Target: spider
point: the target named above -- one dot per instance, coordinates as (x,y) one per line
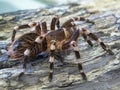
(29,45)
(18,46)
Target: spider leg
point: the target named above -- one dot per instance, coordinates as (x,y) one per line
(27,53)
(43,26)
(84,33)
(85,36)
(25,60)
(52,58)
(16,28)
(77,55)
(70,22)
(94,37)
(55,21)
(26,57)
(73,40)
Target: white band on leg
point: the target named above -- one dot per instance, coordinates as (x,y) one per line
(74,45)
(16,27)
(51,59)
(38,40)
(27,52)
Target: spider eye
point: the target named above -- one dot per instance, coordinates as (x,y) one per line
(41,37)
(73,45)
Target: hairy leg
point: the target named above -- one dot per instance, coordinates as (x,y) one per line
(87,39)
(94,37)
(71,22)
(51,60)
(26,57)
(55,21)
(16,28)
(77,55)
(43,26)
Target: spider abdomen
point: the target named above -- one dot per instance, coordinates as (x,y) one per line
(16,50)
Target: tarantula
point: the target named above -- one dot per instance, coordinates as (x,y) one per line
(54,40)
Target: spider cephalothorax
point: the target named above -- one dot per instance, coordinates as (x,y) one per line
(64,37)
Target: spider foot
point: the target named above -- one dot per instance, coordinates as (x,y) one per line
(50,77)
(20,75)
(84,76)
(110,52)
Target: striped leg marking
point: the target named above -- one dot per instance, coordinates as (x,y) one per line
(51,60)
(77,55)
(51,66)
(16,28)
(55,22)
(94,37)
(26,57)
(87,39)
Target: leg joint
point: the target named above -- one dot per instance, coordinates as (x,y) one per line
(93,36)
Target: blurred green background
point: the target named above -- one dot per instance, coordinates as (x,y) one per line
(14,5)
